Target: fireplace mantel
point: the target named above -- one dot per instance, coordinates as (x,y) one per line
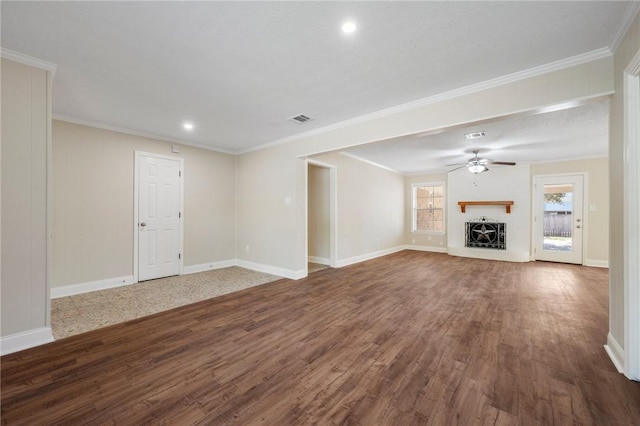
(507,204)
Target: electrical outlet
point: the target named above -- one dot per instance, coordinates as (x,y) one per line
(246,248)
(413,241)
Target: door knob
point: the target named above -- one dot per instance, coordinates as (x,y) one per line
(143,224)
(578,226)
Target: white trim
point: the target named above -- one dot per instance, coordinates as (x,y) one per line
(367,256)
(473,88)
(136,183)
(320,260)
(12,55)
(371,163)
(137,155)
(73,289)
(631,92)
(49,202)
(25,340)
(320,163)
(566,160)
(502,255)
(81,288)
(615,352)
(274,270)
(142,134)
(596,263)
(425,248)
(625,24)
(209,266)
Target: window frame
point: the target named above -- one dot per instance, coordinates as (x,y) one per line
(414,209)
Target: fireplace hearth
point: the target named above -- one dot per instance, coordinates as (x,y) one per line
(486,233)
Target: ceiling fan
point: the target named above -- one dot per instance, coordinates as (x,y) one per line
(479,165)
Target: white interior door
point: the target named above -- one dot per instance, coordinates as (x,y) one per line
(159,215)
(558,218)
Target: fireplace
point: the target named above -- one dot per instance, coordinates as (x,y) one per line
(486,233)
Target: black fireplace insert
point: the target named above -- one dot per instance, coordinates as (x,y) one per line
(486,233)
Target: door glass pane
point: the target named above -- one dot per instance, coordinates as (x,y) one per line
(558,217)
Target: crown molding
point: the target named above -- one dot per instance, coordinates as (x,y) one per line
(466,90)
(413,174)
(371,163)
(126,131)
(567,159)
(627,19)
(27,60)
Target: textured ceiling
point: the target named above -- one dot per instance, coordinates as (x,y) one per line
(238,70)
(578,132)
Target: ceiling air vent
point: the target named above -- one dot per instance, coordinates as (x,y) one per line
(300,119)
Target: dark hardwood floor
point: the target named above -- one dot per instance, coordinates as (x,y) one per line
(410,338)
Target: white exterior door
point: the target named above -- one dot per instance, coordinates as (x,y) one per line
(159,216)
(558,218)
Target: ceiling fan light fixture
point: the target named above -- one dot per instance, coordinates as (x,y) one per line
(477,168)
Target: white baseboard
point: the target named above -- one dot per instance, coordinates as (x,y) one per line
(367,256)
(596,263)
(25,340)
(433,249)
(274,270)
(615,352)
(73,289)
(320,260)
(507,256)
(209,266)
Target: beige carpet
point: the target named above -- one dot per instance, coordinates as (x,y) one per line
(89,311)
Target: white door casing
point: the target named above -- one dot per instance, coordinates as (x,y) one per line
(631,223)
(158,227)
(565,250)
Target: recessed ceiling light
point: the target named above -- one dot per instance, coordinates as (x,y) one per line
(188,126)
(349,27)
(474,135)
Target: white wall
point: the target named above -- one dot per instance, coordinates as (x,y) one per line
(25,113)
(93,175)
(319,217)
(266,176)
(498,184)
(370,208)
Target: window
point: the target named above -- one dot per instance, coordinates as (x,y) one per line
(428,208)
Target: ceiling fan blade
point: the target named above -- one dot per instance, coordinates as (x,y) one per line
(457,168)
(456,164)
(504,163)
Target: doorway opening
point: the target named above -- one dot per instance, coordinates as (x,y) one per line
(321,242)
